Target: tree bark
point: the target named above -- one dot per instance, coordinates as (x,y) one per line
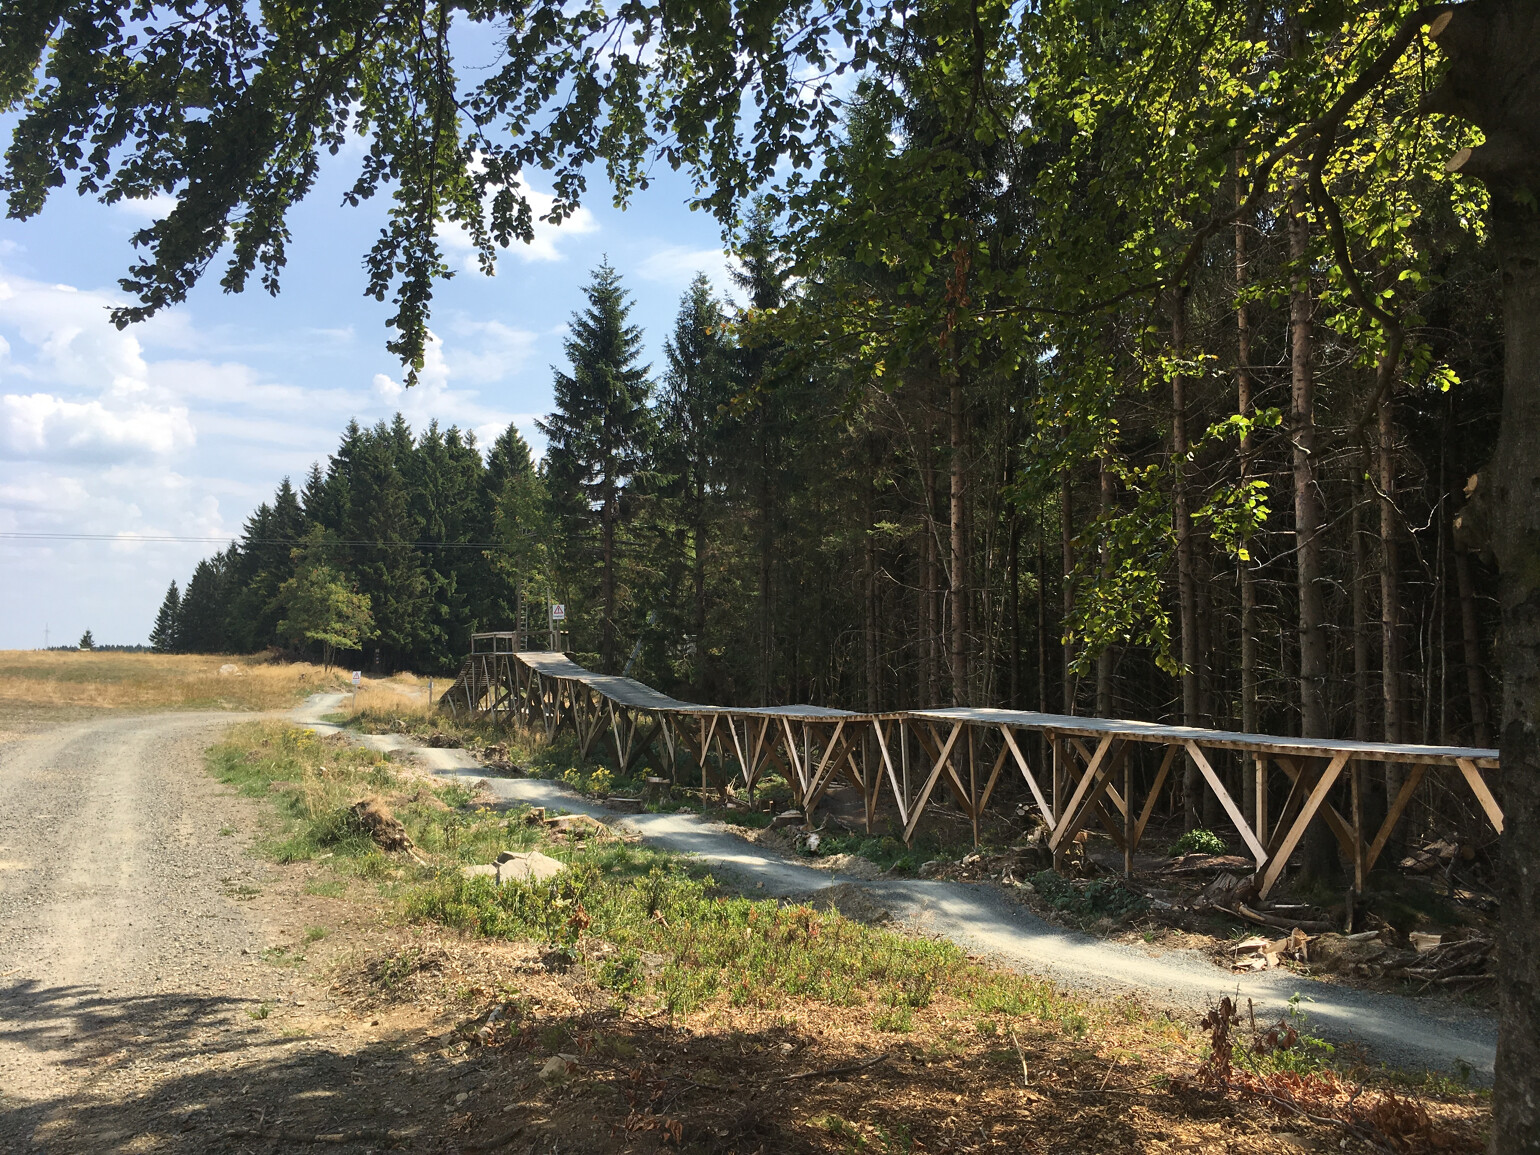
(1247,580)
(607,633)
(1392,684)
(1067,535)
(1493,80)
(1104,659)
(930,627)
(1314,719)
(1360,601)
(1186,575)
(1481,730)
(959,597)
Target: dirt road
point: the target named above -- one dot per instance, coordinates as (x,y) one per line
(138,1010)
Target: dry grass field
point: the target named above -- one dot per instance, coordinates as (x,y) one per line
(41,684)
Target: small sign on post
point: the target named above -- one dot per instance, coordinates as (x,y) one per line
(558,612)
(358,677)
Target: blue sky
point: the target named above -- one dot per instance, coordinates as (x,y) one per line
(181,425)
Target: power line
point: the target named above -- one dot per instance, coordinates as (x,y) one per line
(248,541)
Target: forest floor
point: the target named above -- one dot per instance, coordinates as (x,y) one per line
(200,966)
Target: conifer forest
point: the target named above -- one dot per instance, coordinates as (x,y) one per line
(1165,361)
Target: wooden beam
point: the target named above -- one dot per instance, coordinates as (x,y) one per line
(1393,815)
(1081,788)
(1280,859)
(1149,802)
(1241,825)
(1026,772)
(887,760)
(1339,825)
(930,783)
(1478,786)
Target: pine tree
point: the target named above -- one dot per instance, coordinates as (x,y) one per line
(382,559)
(599,436)
(206,608)
(164,635)
(692,445)
(87,642)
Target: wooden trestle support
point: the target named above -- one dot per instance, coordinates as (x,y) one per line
(1090,774)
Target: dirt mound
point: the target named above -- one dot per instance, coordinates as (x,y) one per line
(385,828)
(852,901)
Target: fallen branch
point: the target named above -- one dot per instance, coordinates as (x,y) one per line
(1309,926)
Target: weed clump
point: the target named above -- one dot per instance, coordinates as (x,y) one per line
(1099,898)
(1199,841)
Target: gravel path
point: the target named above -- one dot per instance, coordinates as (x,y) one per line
(1433,1032)
(137,1011)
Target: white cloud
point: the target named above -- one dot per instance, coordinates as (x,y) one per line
(677,265)
(457,241)
(500,351)
(150,208)
(76,343)
(36,426)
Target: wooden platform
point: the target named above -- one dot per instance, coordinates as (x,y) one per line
(903,757)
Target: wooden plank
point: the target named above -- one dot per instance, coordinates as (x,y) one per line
(954,780)
(1478,786)
(1081,788)
(1261,791)
(930,783)
(1075,818)
(1393,815)
(1280,859)
(1241,825)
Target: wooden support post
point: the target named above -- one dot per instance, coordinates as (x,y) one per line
(1280,859)
(1478,786)
(1128,818)
(1393,815)
(1241,825)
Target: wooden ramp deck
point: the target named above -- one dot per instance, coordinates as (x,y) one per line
(1087,773)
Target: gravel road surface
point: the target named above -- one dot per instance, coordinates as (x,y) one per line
(1434,1032)
(137,1009)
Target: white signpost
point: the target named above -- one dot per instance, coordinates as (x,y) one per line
(558,612)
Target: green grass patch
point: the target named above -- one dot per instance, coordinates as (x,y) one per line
(1099,898)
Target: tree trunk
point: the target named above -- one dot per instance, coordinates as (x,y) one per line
(1494,80)
(961,679)
(1104,659)
(1066,521)
(1247,580)
(869,591)
(1392,685)
(607,632)
(930,628)
(1360,600)
(701,650)
(1314,719)
(1186,576)
(1481,730)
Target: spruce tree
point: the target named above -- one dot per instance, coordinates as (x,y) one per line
(692,455)
(383,560)
(201,625)
(163,637)
(599,437)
